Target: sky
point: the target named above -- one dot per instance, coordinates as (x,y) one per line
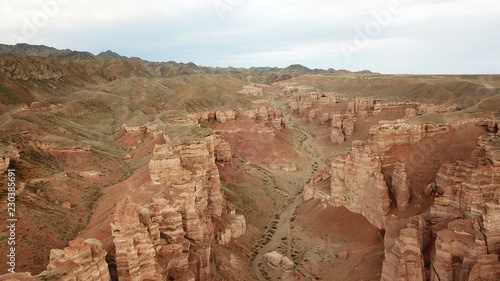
(385,36)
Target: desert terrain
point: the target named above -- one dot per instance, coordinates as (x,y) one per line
(135,170)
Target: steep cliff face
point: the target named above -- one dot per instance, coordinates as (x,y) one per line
(358,184)
(464,249)
(403,250)
(86,258)
(80,261)
(401,186)
(384,136)
(457,249)
(470,189)
(172,235)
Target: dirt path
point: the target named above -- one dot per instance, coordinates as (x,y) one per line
(283,227)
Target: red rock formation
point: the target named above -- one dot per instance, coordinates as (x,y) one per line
(324,118)
(7,153)
(236,228)
(457,249)
(358,184)
(401,186)
(171,236)
(223,116)
(86,259)
(82,260)
(311,116)
(252,90)
(404,243)
(487,267)
(222,149)
(336,133)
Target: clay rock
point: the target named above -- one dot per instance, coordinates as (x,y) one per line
(336,135)
(287,264)
(7,153)
(336,132)
(324,118)
(470,188)
(401,186)
(410,113)
(135,252)
(437,108)
(222,149)
(358,184)
(252,90)
(404,243)
(487,267)
(236,228)
(223,116)
(348,126)
(327,99)
(384,136)
(309,192)
(457,249)
(361,107)
(274,258)
(86,259)
(311,116)
(343,255)
(66,205)
(283,166)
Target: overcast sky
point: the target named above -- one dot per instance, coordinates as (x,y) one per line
(387,36)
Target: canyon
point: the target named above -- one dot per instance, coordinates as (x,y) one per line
(133,170)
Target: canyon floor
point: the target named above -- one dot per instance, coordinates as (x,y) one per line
(133,170)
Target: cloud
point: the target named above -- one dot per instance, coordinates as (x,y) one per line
(452,36)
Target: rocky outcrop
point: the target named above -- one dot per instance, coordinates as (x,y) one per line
(336,133)
(223,116)
(172,234)
(470,189)
(487,267)
(361,107)
(342,128)
(283,166)
(7,153)
(404,243)
(222,150)
(410,113)
(82,260)
(401,186)
(236,228)
(437,108)
(311,116)
(275,259)
(384,136)
(86,258)
(324,118)
(268,114)
(300,104)
(327,99)
(358,184)
(457,249)
(135,252)
(252,90)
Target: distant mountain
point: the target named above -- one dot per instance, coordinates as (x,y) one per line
(267,75)
(111,55)
(34,50)
(44,51)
